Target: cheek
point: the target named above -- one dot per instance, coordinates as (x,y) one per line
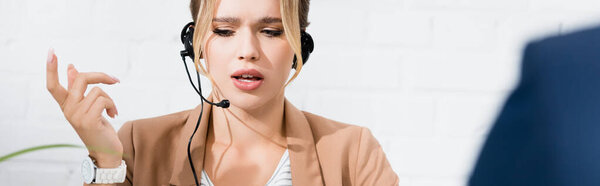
(217,53)
(281,56)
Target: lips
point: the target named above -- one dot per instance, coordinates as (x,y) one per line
(247,79)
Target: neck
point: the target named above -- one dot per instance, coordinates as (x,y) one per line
(260,126)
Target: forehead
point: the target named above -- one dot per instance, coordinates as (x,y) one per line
(248,9)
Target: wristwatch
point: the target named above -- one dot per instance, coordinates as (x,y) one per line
(92,174)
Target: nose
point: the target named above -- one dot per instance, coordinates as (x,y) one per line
(249,47)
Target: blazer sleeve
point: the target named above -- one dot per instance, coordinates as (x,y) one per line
(372,166)
(126,137)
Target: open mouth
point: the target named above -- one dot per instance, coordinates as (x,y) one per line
(247,79)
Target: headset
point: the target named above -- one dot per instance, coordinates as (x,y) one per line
(187,35)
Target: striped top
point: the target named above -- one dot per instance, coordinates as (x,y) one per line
(281,177)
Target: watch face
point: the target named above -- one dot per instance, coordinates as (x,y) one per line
(87,170)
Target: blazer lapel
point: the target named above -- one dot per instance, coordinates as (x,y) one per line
(304,161)
(182,173)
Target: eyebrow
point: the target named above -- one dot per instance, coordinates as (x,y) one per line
(226,19)
(235,20)
(268,20)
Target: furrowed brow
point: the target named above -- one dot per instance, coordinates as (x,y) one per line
(269,20)
(232,20)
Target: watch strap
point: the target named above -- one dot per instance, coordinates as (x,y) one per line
(111,175)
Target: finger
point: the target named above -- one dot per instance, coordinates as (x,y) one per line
(99,105)
(58,91)
(72,74)
(92,96)
(83,79)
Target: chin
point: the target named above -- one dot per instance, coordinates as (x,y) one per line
(244,100)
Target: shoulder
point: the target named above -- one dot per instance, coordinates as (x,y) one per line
(160,130)
(581,37)
(155,124)
(331,134)
(140,139)
(577,42)
(324,128)
(350,151)
(549,56)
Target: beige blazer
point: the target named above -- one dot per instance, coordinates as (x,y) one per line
(322,151)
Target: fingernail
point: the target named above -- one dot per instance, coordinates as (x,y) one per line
(115,78)
(50,54)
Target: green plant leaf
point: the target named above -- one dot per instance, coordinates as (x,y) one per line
(36,148)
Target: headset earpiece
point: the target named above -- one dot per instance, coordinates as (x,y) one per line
(187,36)
(307,45)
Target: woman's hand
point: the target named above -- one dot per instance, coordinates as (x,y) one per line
(85,112)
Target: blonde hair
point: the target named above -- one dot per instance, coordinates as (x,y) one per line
(294,13)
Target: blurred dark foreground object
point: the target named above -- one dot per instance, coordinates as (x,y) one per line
(548,132)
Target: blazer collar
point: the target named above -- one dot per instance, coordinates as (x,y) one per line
(304,161)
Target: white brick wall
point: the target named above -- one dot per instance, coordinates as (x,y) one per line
(428,75)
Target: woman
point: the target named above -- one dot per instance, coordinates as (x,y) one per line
(248,47)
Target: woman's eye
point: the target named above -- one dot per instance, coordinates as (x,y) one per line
(272,33)
(223,33)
